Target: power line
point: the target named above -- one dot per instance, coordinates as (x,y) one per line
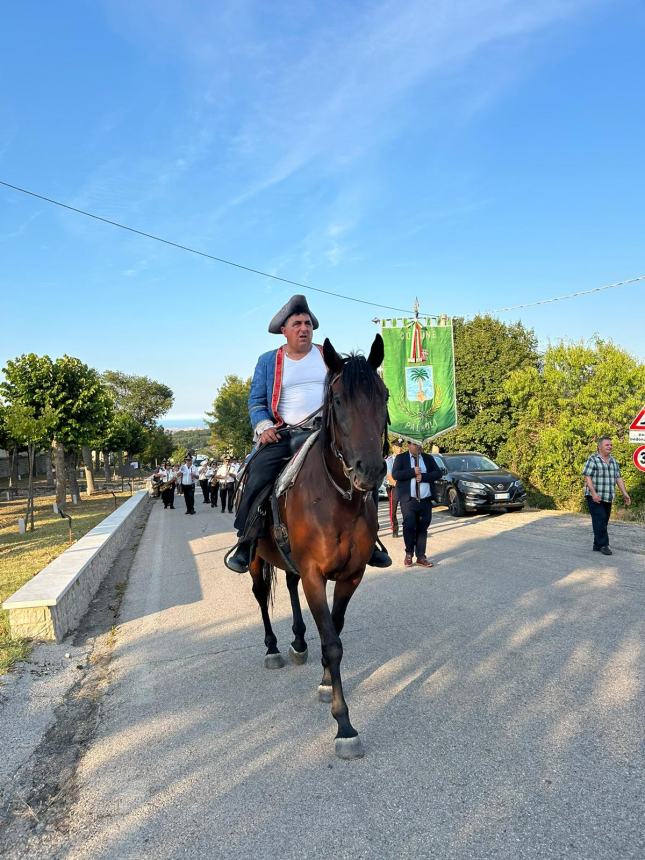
(289,281)
(570,295)
(195,251)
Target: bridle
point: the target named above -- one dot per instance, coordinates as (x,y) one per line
(331,427)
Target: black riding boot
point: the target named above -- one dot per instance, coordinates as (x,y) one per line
(379,558)
(239,561)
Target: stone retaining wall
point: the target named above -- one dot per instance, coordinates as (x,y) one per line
(54,601)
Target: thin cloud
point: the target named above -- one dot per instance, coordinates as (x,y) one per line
(323,84)
(21,228)
(332,110)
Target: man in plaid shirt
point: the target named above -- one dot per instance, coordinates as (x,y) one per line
(602,473)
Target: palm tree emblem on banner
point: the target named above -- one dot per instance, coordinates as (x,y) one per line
(419,383)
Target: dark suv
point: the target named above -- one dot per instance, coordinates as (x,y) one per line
(472,482)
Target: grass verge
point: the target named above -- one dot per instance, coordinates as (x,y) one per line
(23,556)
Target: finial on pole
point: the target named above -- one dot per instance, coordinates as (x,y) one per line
(416,307)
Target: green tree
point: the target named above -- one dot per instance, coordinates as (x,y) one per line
(72,392)
(124,433)
(83,406)
(5,438)
(158,446)
(195,440)
(7,443)
(23,426)
(231,432)
(27,382)
(143,398)
(178,454)
(487,351)
(581,392)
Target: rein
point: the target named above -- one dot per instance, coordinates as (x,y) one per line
(331,426)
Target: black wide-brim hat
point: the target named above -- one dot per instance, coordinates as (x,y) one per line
(295,305)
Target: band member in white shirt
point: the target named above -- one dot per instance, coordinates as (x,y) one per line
(189,475)
(214,483)
(233,469)
(212,489)
(203,481)
(168,475)
(227,488)
(222,482)
(155,478)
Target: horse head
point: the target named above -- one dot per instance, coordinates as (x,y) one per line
(355,413)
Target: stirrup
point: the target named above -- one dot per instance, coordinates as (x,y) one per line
(238,557)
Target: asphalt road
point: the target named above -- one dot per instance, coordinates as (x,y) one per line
(499,697)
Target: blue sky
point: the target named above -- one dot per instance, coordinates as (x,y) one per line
(474,154)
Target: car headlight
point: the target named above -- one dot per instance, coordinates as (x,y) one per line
(471,485)
(519,485)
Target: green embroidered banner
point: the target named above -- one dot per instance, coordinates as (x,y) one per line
(419,371)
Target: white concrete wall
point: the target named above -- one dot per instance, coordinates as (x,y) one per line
(54,601)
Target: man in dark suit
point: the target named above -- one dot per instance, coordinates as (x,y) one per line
(414,473)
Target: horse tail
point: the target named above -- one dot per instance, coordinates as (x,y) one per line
(269,577)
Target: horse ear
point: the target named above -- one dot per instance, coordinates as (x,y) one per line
(333,361)
(377,352)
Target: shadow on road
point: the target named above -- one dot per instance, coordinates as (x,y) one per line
(499,696)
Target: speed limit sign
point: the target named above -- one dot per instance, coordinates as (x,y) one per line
(639,458)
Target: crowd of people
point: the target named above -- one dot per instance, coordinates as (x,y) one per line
(216,480)
(409,479)
(286,395)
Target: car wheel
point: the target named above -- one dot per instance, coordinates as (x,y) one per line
(455,503)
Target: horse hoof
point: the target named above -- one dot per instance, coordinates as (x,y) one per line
(349,747)
(324,693)
(273,661)
(298,657)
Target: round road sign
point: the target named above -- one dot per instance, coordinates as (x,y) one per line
(639,458)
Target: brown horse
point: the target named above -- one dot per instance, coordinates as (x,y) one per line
(332,522)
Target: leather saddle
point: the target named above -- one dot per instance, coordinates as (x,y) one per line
(265,518)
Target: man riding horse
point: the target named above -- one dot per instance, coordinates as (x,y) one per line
(286,392)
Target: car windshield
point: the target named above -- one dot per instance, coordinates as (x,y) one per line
(469,463)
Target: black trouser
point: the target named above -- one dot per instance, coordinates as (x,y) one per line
(203,483)
(264,469)
(393,499)
(189,497)
(214,491)
(230,494)
(417,515)
(168,497)
(600,513)
(223,495)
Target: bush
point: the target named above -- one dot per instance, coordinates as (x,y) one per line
(580,393)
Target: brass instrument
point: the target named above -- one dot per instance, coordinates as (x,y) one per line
(166,485)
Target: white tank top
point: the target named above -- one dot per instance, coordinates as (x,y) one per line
(303,384)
